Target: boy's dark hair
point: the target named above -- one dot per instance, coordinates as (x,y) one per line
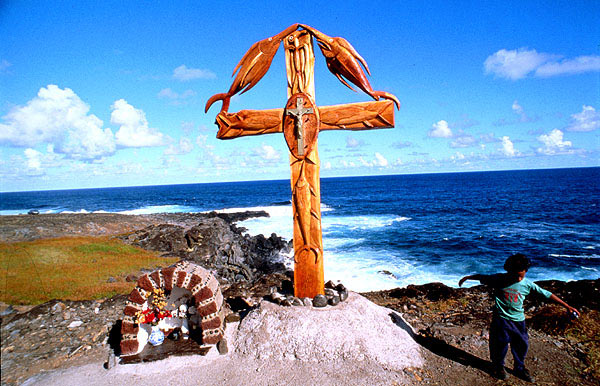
(517,263)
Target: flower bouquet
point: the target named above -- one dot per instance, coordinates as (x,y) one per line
(153,313)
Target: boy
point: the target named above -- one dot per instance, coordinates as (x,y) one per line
(508,320)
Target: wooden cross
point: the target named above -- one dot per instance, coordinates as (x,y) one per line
(300,121)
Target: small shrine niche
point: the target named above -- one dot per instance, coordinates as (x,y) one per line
(182,302)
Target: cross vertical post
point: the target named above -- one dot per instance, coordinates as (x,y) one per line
(306,198)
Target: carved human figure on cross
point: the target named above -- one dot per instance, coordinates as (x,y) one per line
(300,121)
(298,114)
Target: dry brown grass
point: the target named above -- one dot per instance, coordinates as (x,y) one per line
(585,331)
(73,268)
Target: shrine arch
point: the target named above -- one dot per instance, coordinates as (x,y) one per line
(201,284)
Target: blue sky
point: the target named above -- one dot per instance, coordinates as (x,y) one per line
(97,94)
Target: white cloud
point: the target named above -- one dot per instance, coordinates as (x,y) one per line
(327,165)
(508,148)
(587,120)
(4,65)
(266,152)
(183,73)
(463,140)
(187,127)
(517,64)
(134,130)
(458,156)
(353,143)
(440,130)
(569,66)
(553,143)
(514,64)
(58,117)
(517,108)
(33,159)
(380,160)
(185,146)
(401,144)
(170,94)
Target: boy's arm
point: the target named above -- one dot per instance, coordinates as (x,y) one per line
(470,277)
(558,300)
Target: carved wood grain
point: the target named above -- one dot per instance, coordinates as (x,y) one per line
(306,195)
(351,116)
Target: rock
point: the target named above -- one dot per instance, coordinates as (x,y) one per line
(387,273)
(233,317)
(131,278)
(222,347)
(307,302)
(75,324)
(334,300)
(58,307)
(297,302)
(277,297)
(9,310)
(343,295)
(330,284)
(319,301)
(330,292)
(216,244)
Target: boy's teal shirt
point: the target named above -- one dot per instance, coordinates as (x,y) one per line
(509,297)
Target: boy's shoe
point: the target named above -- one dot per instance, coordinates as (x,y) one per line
(524,375)
(500,373)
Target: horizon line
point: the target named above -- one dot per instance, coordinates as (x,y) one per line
(322,178)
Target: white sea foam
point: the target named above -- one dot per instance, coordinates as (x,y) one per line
(75,212)
(360,222)
(574,256)
(161,209)
(13,212)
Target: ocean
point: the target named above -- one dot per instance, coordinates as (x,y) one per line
(382,232)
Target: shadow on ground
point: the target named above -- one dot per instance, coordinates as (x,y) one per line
(441,348)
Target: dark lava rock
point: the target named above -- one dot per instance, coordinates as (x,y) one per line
(319,301)
(343,295)
(330,292)
(222,347)
(431,291)
(215,243)
(330,284)
(334,300)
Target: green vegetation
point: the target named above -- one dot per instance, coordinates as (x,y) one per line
(74,268)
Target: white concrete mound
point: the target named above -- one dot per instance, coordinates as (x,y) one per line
(354,330)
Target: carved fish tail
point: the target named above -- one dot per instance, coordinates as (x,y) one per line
(386,95)
(218,97)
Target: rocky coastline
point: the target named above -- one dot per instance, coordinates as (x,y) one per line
(451,323)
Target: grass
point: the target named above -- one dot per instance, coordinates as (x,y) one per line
(73,268)
(585,330)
